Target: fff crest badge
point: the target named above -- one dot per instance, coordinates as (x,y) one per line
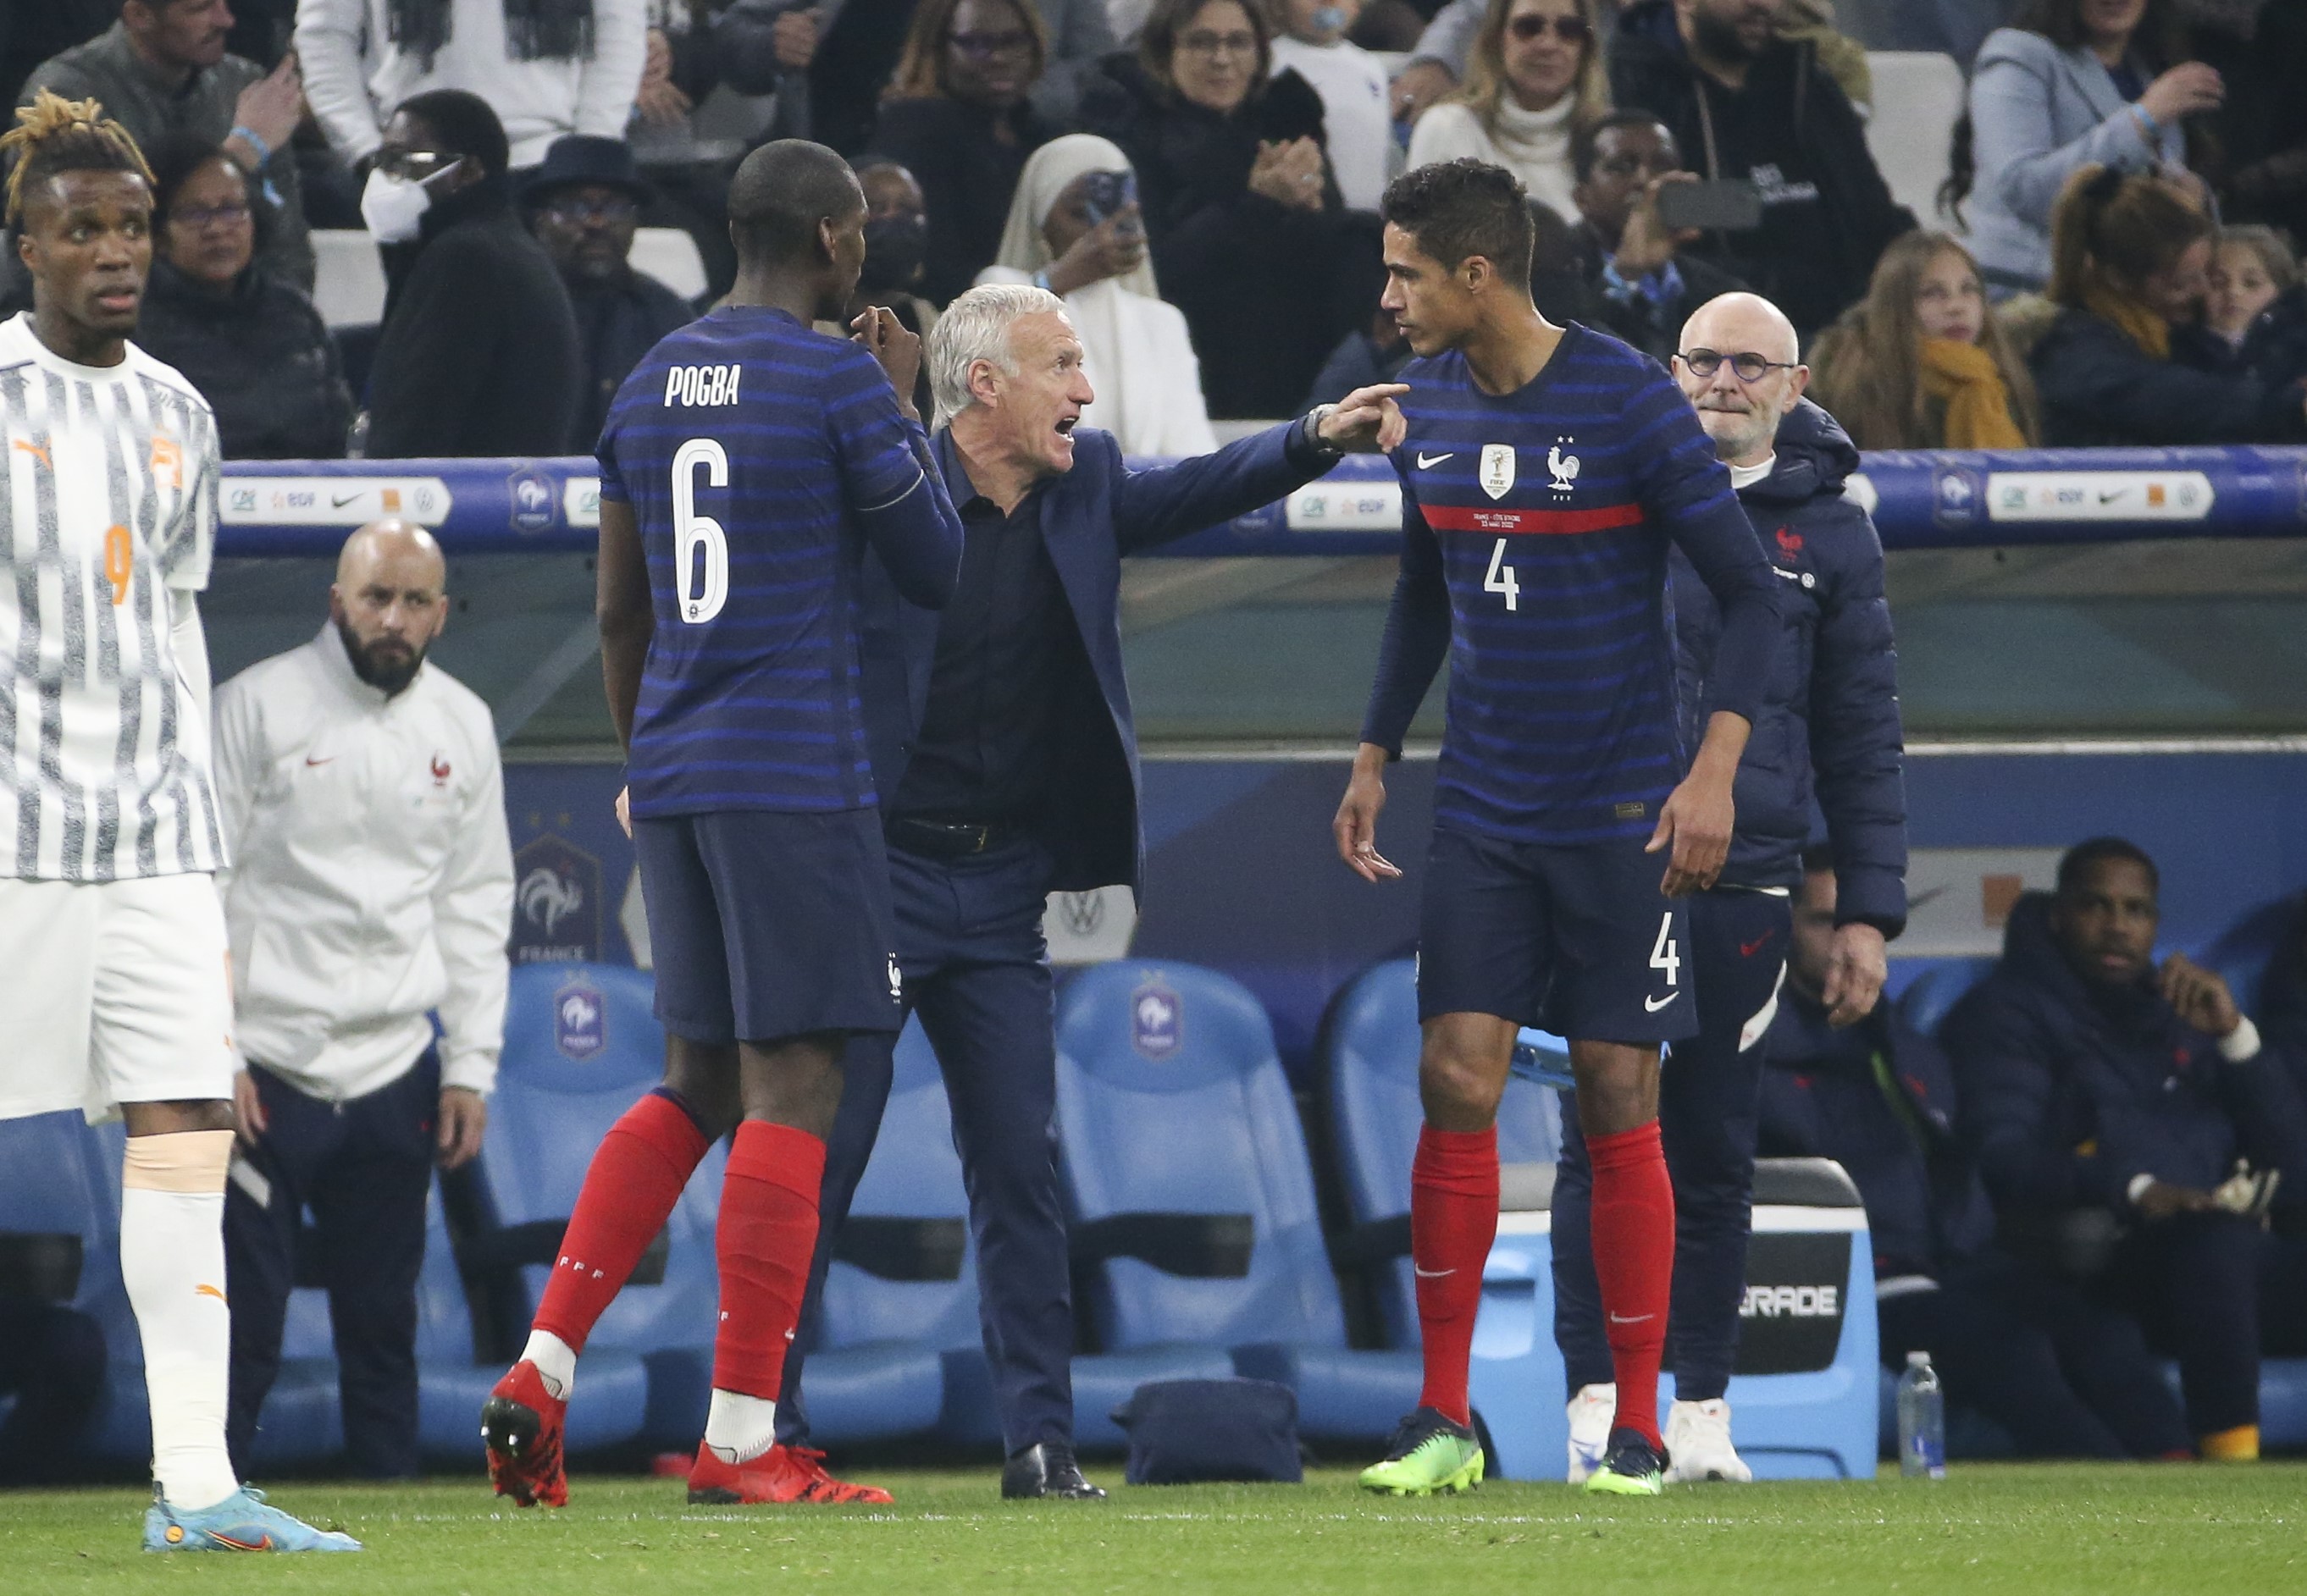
(1156,1019)
(557,904)
(1497,472)
(580,1022)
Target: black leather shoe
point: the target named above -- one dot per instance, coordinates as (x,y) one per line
(1047,1470)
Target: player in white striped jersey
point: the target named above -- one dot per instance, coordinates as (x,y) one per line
(113,972)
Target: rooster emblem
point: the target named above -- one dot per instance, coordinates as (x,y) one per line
(1564,467)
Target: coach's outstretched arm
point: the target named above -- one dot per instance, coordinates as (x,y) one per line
(1417,638)
(907,516)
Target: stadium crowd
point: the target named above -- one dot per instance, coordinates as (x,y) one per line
(2112,259)
(2095,1161)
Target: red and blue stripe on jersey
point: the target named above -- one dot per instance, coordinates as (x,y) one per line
(776,436)
(1536,526)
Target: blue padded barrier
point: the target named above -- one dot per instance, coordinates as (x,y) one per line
(581,1047)
(1920,499)
(1170,1102)
(1369,1067)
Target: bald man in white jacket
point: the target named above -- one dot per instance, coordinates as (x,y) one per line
(363,802)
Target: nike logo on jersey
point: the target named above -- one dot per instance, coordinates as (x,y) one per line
(1430,1273)
(309,760)
(1620,1318)
(1747,950)
(1653,1004)
(1425,462)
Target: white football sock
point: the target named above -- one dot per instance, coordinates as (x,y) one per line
(172,1260)
(554,1361)
(738,1428)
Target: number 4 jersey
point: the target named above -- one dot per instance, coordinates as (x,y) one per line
(108,514)
(760,459)
(1535,528)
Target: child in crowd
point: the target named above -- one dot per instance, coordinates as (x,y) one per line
(2255,315)
(1311,39)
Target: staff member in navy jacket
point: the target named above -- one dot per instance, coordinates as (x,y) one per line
(1829,730)
(2103,1096)
(1007,768)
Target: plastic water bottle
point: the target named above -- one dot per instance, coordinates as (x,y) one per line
(1922,1421)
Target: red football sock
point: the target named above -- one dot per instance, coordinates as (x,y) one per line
(1453,1218)
(1634,1262)
(629,1191)
(766,1232)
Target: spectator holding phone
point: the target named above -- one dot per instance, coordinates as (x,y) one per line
(1533,76)
(1622,268)
(958,119)
(1248,229)
(2129,259)
(1922,362)
(1074,229)
(1760,110)
(2074,83)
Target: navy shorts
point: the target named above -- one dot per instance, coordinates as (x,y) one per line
(764,924)
(1574,941)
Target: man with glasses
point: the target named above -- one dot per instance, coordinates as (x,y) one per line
(1624,271)
(1547,474)
(583,204)
(1828,735)
(478,354)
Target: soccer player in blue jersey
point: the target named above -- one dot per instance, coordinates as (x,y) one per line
(746,466)
(1545,472)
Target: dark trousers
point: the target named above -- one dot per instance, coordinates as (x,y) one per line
(977,972)
(52,1358)
(363,1168)
(2066,1374)
(1708,1089)
(2214,1291)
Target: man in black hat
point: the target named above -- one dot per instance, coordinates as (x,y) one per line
(583,204)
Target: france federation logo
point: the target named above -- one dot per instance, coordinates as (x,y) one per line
(580,1025)
(1155,1016)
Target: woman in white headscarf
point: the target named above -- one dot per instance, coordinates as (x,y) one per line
(1074,229)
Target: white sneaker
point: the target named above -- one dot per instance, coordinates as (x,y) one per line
(1698,1444)
(1590,1413)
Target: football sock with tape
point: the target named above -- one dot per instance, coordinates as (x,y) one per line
(1453,1218)
(172,1262)
(629,1191)
(1633,1229)
(767,1231)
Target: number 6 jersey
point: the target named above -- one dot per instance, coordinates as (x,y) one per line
(760,458)
(1535,527)
(108,510)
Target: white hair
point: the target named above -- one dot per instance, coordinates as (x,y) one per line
(977,327)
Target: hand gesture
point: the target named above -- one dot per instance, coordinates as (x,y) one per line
(1647,243)
(1356,825)
(248,1109)
(659,99)
(1697,819)
(2187,89)
(793,38)
(1367,421)
(1856,966)
(886,339)
(463,1117)
(2201,996)
(271,107)
(1420,84)
(1289,173)
(1114,248)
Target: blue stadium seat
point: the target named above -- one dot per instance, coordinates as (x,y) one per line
(1178,1124)
(1938,988)
(878,1366)
(581,1047)
(1368,1063)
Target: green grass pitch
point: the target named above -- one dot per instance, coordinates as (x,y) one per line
(2164,1530)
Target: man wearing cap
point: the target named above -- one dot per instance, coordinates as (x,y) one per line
(583,204)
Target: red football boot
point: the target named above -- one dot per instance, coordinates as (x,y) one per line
(780,1475)
(520,1425)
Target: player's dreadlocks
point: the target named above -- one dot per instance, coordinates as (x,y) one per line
(54,134)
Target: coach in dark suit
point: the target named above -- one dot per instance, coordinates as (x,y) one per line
(1007,766)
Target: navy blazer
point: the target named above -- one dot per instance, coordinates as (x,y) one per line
(1091,516)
